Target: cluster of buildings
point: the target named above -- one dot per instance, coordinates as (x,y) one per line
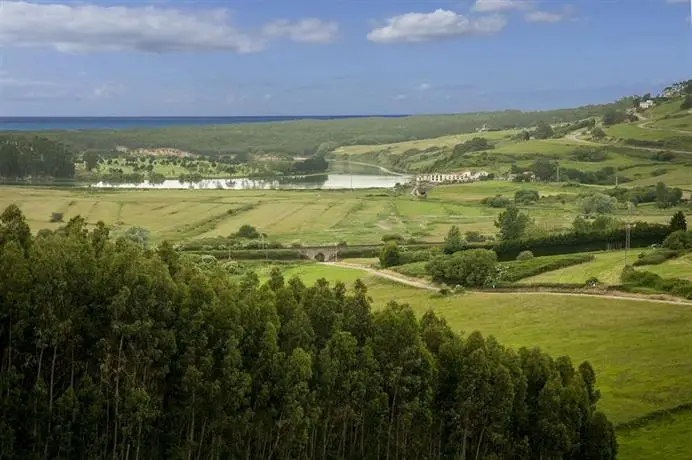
(449,178)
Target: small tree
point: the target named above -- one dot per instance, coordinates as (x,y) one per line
(454,241)
(511,223)
(543,131)
(597,133)
(526,196)
(56,217)
(525,255)
(390,255)
(678,222)
(598,203)
(247,231)
(686,103)
(139,235)
(472,268)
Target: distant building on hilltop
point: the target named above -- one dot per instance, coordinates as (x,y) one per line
(646,104)
(442,178)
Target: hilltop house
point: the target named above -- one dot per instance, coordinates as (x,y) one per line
(646,104)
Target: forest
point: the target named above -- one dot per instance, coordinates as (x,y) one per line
(36,157)
(108,349)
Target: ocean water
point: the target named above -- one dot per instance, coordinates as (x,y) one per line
(83,123)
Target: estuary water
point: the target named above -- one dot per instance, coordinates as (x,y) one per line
(324,181)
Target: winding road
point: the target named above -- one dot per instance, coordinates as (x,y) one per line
(422,284)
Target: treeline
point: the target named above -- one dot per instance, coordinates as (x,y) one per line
(309,137)
(113,351)
(34,157)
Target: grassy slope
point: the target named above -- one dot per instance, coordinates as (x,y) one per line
(639,349)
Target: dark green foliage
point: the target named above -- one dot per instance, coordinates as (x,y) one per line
(524,268)
(247,231)
(56,217)
(678,240)
(512,223)
(686,103)
(601,223)
(24,157)
(613,117)
(657,257)
(390,255)
(598,203)
(675,286)
(393,237)
(472,268)
(91,160)
(545,170)
(473,236)
(597,133)
(497,201)
(663,156)
(526,196)
(543,131)
(603,176)
(592,155)
(678,222)
(667,197)
(311,165)
(454,241)
(476,144)
(111,351)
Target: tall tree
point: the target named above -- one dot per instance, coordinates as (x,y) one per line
(454,241)
(512,223)
(678,222)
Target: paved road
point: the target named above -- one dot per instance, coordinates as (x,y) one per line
(421,284)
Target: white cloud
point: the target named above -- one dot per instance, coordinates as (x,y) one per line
(81,28)
(424,86)
(549,16)
(308,30)
(267,96)
(440,24)
(401,97)
(489,6)
(107,90)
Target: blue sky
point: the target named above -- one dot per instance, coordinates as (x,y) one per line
(261,57)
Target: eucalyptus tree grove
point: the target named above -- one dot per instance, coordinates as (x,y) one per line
(111,350)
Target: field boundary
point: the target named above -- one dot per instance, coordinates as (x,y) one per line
(653,417)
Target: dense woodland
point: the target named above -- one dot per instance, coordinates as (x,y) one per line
(110,350)
(35,157)
(308,137)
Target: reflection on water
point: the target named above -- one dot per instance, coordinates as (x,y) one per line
(324,181)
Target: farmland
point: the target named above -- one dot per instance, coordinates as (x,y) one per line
(309,217)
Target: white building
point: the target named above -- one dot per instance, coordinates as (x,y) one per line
(442,178)
(646,104)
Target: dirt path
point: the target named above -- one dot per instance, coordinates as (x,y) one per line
(421,284)
(573,137)
(387,274)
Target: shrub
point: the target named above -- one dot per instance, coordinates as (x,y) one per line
(497,201)
(390,255)
(526,196)
(392,237)
(657,257)
(472,268)
(520,269)
(525,255)
(674,286)
(56,217)
(678,240)
(247,231)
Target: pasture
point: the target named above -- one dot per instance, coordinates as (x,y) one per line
(308,217)
(640,349)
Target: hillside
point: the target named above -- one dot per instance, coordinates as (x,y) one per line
(309,136)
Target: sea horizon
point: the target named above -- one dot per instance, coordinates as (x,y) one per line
(72,123)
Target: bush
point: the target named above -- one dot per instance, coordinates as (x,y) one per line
(526,196)
(497,201)
(657,257)
(674,286)
(392,237)
(56,217)
(525,255)
(471,268)
(247,231)
(678,240)
(390,255)
(520,269)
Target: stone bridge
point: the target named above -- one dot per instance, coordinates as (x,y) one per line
(320,253)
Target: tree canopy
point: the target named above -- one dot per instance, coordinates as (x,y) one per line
(113,350)
(24,157)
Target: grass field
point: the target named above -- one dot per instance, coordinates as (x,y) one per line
(607,267)
(640,349)
(680,267)
(310,217)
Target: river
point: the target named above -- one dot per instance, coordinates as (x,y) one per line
(325,181)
